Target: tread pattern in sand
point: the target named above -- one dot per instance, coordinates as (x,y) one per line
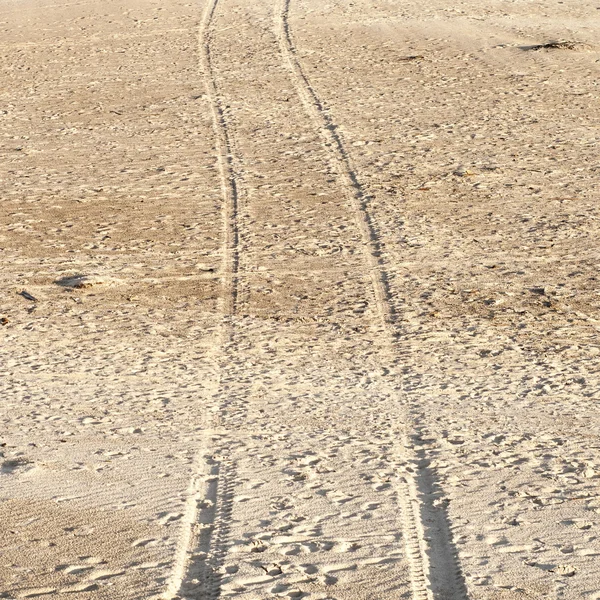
(416,485)
(201,545)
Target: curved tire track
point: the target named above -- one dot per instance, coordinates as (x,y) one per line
(200,549)
(434,568)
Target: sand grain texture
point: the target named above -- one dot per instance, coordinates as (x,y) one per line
(299,300)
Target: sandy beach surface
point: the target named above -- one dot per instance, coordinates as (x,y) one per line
(300,299)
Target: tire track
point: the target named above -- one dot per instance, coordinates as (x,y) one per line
(341,161)
(204,528)
(432,558)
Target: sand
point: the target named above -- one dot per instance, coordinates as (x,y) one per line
(299,300)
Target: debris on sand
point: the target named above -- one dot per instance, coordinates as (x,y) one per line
(27,296)
(462,171)
(557,45)
(85,281)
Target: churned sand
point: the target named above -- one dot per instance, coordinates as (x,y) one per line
(300,299)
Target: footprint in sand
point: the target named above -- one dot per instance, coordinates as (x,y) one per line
(80,587)
(35,593)
(102,575)
(327,580)
(272,570)
(77,569)
(144,542)
(257,546)
(346,547)
(165,519)
(242,498)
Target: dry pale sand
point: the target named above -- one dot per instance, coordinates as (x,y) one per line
(299,299)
